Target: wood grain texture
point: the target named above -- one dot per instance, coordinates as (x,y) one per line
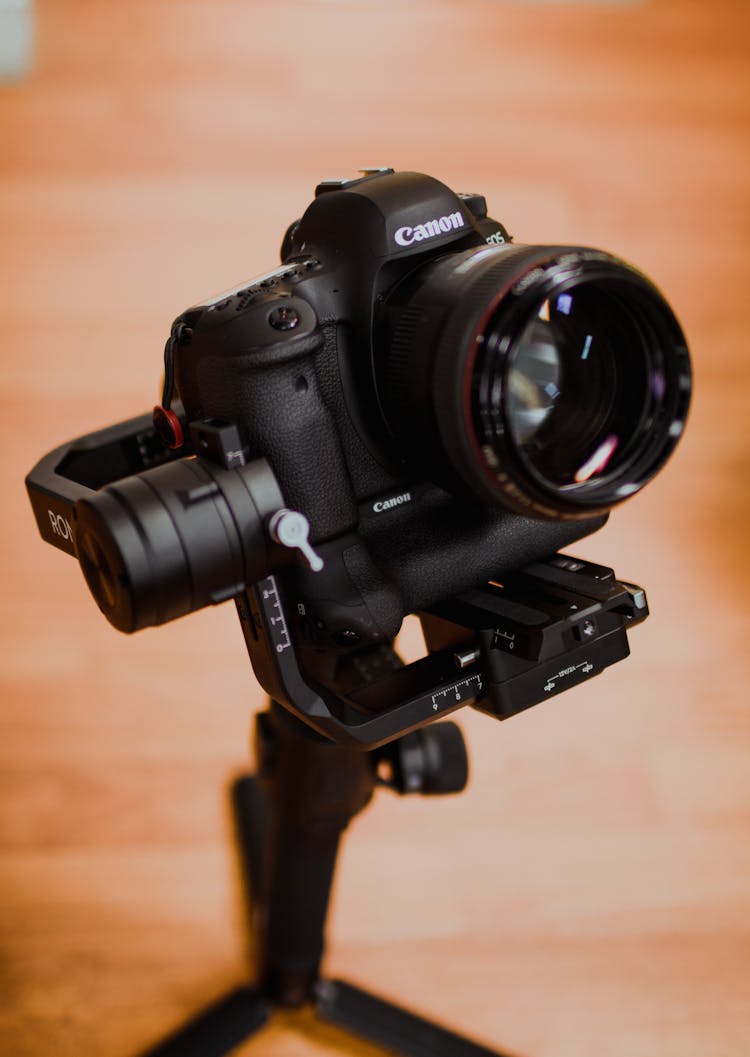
(590,893)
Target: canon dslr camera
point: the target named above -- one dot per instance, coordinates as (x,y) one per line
(412,414)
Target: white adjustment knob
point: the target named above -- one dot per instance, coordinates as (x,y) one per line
(292,529)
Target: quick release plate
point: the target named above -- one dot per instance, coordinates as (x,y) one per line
(544,629)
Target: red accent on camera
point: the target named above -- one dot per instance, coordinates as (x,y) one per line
(169,427)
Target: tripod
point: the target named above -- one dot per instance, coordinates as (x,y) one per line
(290,819)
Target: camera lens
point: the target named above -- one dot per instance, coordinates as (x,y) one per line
(582,383)
(553,380)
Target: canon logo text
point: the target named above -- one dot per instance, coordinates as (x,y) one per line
(388,504)
(430,229)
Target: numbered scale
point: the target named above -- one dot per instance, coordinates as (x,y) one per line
(501,648)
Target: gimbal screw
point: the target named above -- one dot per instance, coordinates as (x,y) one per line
(292,529)
(345,637)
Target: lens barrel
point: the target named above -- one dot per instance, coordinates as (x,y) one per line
(552,380)
(175,538)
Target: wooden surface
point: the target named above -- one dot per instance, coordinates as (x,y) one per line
(590,893)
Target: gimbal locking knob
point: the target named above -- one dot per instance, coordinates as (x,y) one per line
(292,529)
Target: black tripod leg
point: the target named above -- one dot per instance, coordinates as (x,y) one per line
(218,1029)
(235,1017)
(390,1026)
(250,811)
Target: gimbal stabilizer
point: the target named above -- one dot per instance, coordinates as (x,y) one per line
(503,647)
(337,727)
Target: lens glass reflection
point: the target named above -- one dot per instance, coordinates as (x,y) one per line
(577,387)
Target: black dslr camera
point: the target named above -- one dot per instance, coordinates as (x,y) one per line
(412,414)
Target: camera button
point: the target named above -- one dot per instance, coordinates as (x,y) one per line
(284,318)
(476,204)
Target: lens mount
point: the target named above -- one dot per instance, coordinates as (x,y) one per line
(552,380)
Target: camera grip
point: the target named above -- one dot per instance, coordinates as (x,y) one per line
(276,400)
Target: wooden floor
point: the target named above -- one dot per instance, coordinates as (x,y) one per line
(590,894)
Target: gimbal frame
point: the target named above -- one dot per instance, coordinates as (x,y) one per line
(337,729)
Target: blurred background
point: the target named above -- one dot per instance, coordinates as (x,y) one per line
(590,893)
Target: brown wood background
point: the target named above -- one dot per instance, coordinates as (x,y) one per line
(590,893)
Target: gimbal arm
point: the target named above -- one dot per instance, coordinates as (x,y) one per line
(551,625)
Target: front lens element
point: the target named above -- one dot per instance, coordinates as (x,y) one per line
(578,393)
(580,384)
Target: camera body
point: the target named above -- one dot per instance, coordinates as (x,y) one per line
(293,360)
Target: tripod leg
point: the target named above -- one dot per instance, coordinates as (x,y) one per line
(222,1026)
(390,1026)
(218,1029)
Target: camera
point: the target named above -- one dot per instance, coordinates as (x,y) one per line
(411,414)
